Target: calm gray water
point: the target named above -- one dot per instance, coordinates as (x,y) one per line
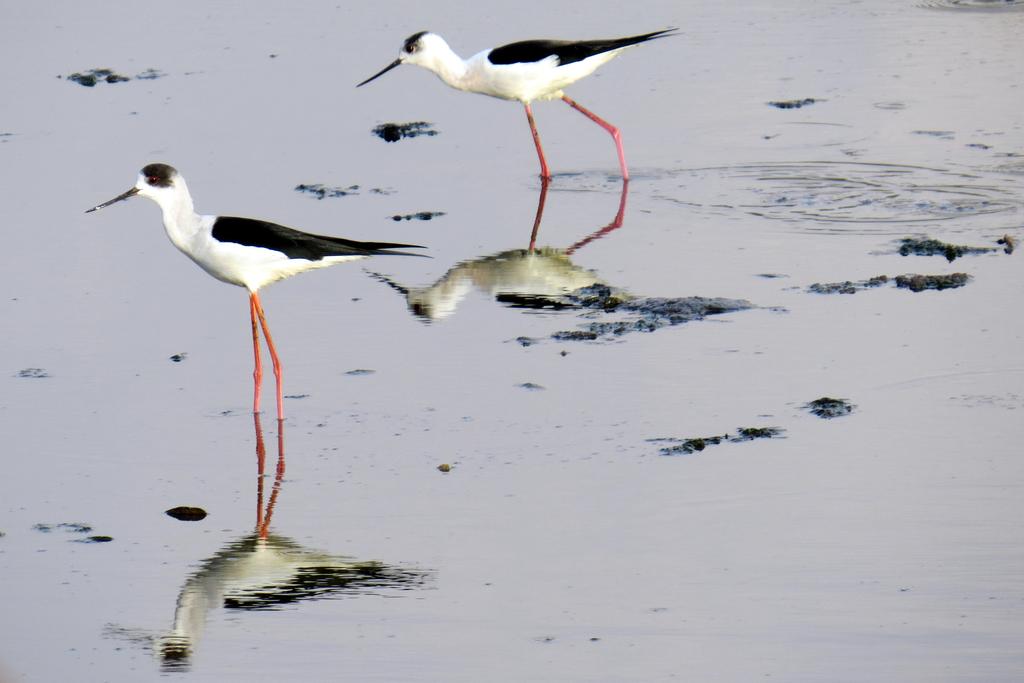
(885,545)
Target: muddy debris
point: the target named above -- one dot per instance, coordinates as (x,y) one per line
(393,132)
(94,539)
(847,286)
(321,191)
(919,283)
(1008,242)
(90,78)
(186,513)
(698,444)
(444,467)
(793,104)
(526,341)
(178,357)
(642,314)
(359,372)
(926,246)
(32,373)
(531,386)
(418,216)
(827,408)
(69,527)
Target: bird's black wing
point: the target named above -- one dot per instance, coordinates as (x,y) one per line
(292,243)
(567,51)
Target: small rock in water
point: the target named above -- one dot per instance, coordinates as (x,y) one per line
(178,357)
(185,513)
(444,467)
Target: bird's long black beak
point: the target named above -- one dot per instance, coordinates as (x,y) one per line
(124,195)
(383,71)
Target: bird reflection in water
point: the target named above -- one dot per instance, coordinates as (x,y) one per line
(526,277)
(267,571)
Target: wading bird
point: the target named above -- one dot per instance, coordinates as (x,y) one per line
(246,252)
(524,71)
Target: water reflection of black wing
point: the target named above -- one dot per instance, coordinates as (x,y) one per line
(266,573)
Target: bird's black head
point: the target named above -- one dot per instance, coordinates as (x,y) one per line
(159,175)
(412,43)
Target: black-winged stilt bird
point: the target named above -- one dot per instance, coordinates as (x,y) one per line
(525,71)
(246,252)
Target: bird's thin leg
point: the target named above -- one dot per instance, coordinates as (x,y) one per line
(257,373)
(544,172)
(608,127)
(273,353)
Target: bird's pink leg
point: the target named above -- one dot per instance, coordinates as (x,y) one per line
(273,352)
(608,127)
(544,172)
(257,373)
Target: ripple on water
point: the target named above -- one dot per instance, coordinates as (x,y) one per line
(975,5)
(819,195)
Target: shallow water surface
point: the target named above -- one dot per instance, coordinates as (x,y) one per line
(522,458)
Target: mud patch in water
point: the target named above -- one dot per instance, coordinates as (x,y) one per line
(847,286)
(911,281)
(828,408)
(687,446)
(321,191)
(793,104)
(33,373)
(90,78)
(418,216)
(643,314)
(393,132)
(926,246)
(919,283)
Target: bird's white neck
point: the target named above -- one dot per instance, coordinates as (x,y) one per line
(180,218)
(443,61)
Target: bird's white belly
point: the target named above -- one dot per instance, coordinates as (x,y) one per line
(252,267)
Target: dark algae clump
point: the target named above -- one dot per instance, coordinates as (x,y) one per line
(827,408)
(792,104)
(639,314)
(926,246)
(699,443)
(393,132)
(90,78)
(847,286)
(919,283)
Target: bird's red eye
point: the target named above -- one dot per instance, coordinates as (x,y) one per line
(151,179)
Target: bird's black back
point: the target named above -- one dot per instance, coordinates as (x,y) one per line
(567,51)
(293,243)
